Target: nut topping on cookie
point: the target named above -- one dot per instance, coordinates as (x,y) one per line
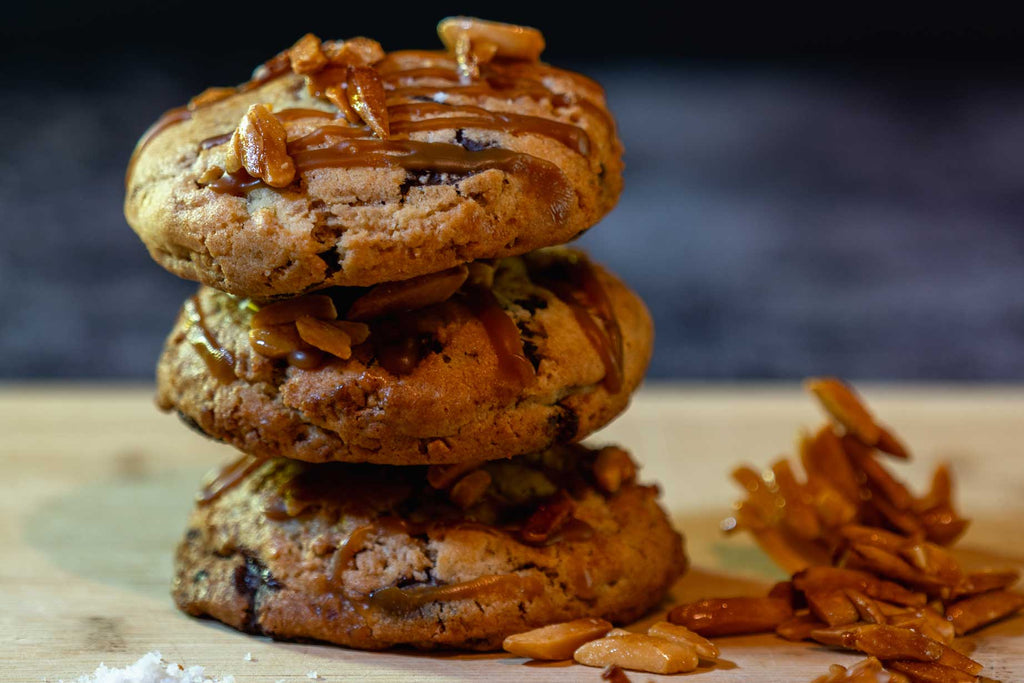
(474,42)
(306,56)
(366,95)
(259,144)
(353,52)
(489,39)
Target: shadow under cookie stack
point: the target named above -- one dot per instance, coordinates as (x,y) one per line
(388,331)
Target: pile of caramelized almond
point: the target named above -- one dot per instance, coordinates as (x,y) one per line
(870,570)
(870,567)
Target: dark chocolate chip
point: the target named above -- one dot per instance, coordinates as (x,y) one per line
(532,303)
(469,144)
(565,423)
(332,259)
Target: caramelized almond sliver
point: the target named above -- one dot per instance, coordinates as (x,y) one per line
(443,476)
(557,641)
(823,456)
(613,468)
(884,642)
(824,578)
(799,627)
(983,582)
(260,146)
(880,479)
(365,91)
(867,609)
(468,490)
(306,56)
(784,590)
(325,335)
(731,616)
(639,652)
(314,305)
(888,443)
(800,516)
(845,408)
(209,96)
(942,525)
(353,52)
(706,650)
(832,607)
(407,295)
(972,613)
(508,40)
(275,341)
(338,96)
(886,564)
(548,519)
(890,642)
(927,622)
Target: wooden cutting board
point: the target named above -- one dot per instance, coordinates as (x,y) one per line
(97,485)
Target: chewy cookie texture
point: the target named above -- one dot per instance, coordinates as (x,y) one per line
(341,164)
(388,329)
(461,388)
(372,556)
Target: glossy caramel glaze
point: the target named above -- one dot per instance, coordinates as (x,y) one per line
(416,102)
(219,360)
(574,282)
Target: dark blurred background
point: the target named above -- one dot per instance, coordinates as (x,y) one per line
(838,190)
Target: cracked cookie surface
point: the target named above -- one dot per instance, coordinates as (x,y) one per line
(523,156)
(455,404)
(371,556)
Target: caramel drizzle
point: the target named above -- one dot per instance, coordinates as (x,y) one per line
(571,136)
(227,478)
(503,335)
(219,360)
(502,586)
(576,284)
(404,85)
(444,117)
(412,155)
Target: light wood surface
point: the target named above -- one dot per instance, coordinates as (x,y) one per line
(96,485)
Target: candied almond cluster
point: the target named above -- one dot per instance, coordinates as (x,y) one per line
(870,570)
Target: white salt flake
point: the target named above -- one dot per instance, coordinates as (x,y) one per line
(151,668)
(312,675)
(248,657)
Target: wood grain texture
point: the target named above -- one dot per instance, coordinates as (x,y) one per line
(96,486)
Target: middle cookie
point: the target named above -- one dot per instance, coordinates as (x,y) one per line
(475,363)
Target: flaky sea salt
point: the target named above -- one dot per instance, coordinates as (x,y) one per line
(151,668)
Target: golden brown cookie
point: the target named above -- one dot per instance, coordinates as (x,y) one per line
(372,556)
(338,164)
(535,350)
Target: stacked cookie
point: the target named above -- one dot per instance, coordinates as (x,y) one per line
(387,331)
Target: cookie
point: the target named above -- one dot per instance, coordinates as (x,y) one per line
(532,350)
(372,556)
(339,164)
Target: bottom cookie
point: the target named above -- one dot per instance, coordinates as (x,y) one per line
(375,556)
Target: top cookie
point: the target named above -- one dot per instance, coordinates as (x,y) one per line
(339,164)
